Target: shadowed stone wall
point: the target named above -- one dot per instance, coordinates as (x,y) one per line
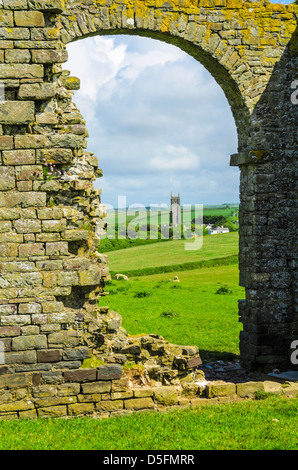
(51,217)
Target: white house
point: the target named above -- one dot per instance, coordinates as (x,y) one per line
(217,230)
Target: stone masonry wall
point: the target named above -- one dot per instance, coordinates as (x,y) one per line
(51,218)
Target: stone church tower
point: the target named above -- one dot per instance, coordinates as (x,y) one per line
(175,214)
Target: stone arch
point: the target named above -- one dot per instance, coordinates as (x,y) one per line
(51,271)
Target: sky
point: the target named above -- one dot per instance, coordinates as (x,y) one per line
(157,121)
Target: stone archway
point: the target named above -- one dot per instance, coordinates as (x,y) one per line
(51,272)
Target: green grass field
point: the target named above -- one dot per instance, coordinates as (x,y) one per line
(173,252)
(189,312)
(269,424)
(200,310)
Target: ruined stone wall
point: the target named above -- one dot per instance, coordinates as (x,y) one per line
(51,217)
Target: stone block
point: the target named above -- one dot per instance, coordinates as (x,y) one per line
(9,331)
(68,389)
(75,235)
(20,405)
(37,91)
(20,71)
(9,309)
(136,404)
(49,355)
(29,18)
(21,357)
(80,409)
(6,18)
(248,389)
(23,343)
(52,411)
(96,387)
(53,225)
(6,142)
(5,225)
(32,307)
(76,264)
(109,372)
(22,199)
(46,5)
(56,156)
(49,56)
(220,390)
(18,157)
(76,354)
(15,4)
(43,391)
(63,339)
(7,178)
(17,56)
(27,226)
(57,249)
(81,375)
(17,112)
(31,141)
(89,278)
(29,172)
(166,396)
(31,249)
(109,405)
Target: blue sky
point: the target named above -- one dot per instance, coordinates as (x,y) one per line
(157,121)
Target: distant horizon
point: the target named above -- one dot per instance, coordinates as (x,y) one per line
(143,206)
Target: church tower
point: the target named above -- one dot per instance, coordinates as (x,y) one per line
(175,214)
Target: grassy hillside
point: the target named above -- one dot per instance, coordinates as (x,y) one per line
(201,310)
(173,252)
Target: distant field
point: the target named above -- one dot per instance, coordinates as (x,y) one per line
(173,252)
(200,310)
(190,312)
(154,215)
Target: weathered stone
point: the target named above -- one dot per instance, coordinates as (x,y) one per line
(56,156)
(109,372)
(7,178)
(249,389)
(29,18)
(19,157)
(17,56)
(24,343)
(139,404)
(6,142)
(49,56)
(21,71)
(166,396)
(221,390)
(16,112)
(49,355)
(37,91)
(63,339)
(96,387)
(52,411)
(80,409)
(110,406)
(82,375)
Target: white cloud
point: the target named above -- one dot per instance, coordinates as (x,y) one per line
(175,159)
(157,121)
